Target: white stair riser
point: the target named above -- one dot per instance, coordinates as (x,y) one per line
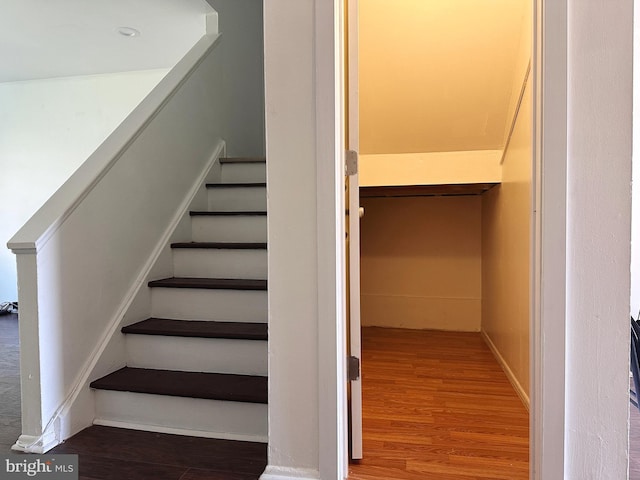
(232,228)
(206,304)
(243,172)
(189,354)
(237,199)
(220,263)
(200,417)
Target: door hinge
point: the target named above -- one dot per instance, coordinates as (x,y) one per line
(351,162)
(353,368)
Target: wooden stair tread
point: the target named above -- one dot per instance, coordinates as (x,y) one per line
(198,328)
(210,283)
(213,214)
(237,185)
(221,245)
(243,160)
(211,386)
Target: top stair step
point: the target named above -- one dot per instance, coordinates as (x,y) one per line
(243,170)
(237,185)
(221,245)
(224,160)
(210,283)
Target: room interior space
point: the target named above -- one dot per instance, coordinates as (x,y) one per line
(446,174)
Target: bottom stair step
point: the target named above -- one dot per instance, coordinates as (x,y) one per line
(143,455)
(212,386)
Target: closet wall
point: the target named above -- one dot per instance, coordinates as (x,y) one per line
(506,238)
(421,262)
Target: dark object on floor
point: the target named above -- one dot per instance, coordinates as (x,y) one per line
(635,362)
(8,307)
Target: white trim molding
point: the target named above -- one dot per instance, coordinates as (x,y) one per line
(549,255)
(35,444)
(287,473)
(507,370)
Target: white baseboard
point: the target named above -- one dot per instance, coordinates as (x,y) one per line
(288,473)
(507,370)
(180,431)
(34,444)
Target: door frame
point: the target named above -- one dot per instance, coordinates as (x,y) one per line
(549,250)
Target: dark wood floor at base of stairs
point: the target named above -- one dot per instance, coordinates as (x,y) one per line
(212,386)
(198,328)
(107,453)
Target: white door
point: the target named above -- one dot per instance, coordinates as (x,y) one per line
(354,232)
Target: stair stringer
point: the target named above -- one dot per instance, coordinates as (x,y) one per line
(78,410)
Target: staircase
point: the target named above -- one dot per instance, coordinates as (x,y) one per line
(198,366)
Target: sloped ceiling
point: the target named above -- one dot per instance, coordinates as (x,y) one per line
(438,75)
(60,38)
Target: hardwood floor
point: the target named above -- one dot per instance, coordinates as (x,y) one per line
(10,420)
(437,406)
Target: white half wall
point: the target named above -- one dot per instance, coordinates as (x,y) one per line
(47,129)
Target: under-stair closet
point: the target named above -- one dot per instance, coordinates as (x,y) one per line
(445,173)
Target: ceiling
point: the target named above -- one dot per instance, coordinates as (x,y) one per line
(60,38)
(440,75)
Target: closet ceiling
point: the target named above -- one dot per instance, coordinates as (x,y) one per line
(439,76)
(59,38)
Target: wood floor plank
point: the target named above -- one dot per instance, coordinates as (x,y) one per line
(118,445)
(437,406)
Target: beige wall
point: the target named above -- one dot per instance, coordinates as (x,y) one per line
(421,262)
(506,217)
(436,76)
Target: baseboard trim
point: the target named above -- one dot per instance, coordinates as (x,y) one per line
(273,472)
(180,431)
(507,370)
(34,444)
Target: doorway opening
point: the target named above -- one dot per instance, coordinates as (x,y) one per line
(445,173)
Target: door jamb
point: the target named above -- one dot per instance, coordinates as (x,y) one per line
(549,250)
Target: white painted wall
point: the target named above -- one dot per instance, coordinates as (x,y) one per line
(635,220)
(293,289)
(242,52)
(47,129)
(598,236)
